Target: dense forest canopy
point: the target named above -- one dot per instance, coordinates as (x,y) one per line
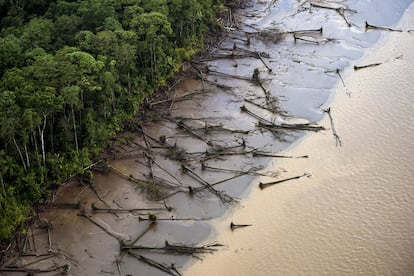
(72,72)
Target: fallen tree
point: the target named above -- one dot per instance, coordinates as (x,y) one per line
(263,185)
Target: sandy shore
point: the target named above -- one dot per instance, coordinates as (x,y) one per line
(355,215)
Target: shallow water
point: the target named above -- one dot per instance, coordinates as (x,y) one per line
(355,215)
(303,77)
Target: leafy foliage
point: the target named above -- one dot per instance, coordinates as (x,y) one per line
(72,73)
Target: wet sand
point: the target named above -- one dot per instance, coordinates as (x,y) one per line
(355,215)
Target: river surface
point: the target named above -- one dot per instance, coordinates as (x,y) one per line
(355,215)
(203,156)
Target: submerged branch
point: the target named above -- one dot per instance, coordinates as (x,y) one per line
(338,140)
(176,248)
(168,219)
(111,210)
(265,185)
(103,227)
(261,119)
(182,125)
(236,226)
(251,171)
(307,127)
(221,153)
(182,98)
(32,271)
(264,154)
(171,270)
(347,91)
(366,66)
(225,198)
(271,106)
(58,205)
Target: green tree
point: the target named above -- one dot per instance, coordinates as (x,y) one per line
(11,54)
(155,51)
(84,40)
(67,27)
(38,33)
(94,12)
(71,74)
(71,96)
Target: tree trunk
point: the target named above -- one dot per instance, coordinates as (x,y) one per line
(74,129)
(3,188)
(52,147)
(27,155)
(20,154)
(36,147)
(152,54)
(42,139)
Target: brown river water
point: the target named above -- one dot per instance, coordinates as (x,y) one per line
(354,213)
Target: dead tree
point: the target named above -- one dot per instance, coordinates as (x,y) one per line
(293,127)
(236,226)
(338,140)
(366,66)
(225,198)
(265,154)
(171,270)
(372,27)
(340,10)
(263,185)
(179,249)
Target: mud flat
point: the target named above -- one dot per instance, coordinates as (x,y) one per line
(355,215)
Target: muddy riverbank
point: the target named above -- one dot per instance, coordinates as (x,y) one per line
(200,153)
